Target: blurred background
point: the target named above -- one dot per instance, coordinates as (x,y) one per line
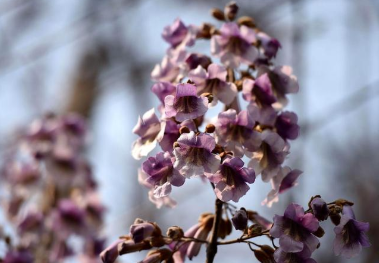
(95,57)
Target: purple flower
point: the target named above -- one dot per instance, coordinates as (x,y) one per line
(31,222)
(69,218)
(350,235)
(163,89)
(149,130)
(178,34)
(185,104)
(214,82)
(110,254)
(304,256)
(231,179)
(194,155)
(21,256)
(194,60)
(239,219)
(234,45)
(158,201)
(320,209)
(294,230)
(269,158)
(171,133)
(286,125)
(259,91)
(162,173)
(236,132)
(269,45)
(22,172)
(168,70)
(282,80)
(284,180)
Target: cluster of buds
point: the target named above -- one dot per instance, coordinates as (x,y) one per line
(51,194)
(251,125)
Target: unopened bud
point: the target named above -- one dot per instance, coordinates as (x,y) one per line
(320,209)
(225,228)
(239,219)
(269,250)
(218,14)
(176,145)
(319,232)
(175,233)
(218,149)
(231,10)
(262,256)
(209,96)
(239,84)
(184,129)
(254,230)
(210,128)
(336,219)
(246,21)
(205,31)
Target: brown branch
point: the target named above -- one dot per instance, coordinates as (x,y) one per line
(212,247)
(241,239)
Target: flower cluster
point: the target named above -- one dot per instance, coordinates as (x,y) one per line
(194,145)
(51,193)
(241,72)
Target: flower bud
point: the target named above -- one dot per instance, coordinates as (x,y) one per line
(246,21)
(267,249)
(205,31)
(240,219)
(319,232)
(231,10)
(263,257)
(218,14)
(110,254)
(209,96)
(210,128)
(320,209)
(254,230)
(184,129)
(225,228)
(175,233)
(140,231)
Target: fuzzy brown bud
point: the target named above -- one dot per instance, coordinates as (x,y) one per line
(254,230)
(319,232)
(218,14)
(246,21)
(184,129)
(218,149)
(175,233)
(231,10)
(269,250)
(176,144)
(225,228)
(210,128)
(209,96)
(205,31)
(263,257)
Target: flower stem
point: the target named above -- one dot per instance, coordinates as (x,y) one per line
(212,247)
